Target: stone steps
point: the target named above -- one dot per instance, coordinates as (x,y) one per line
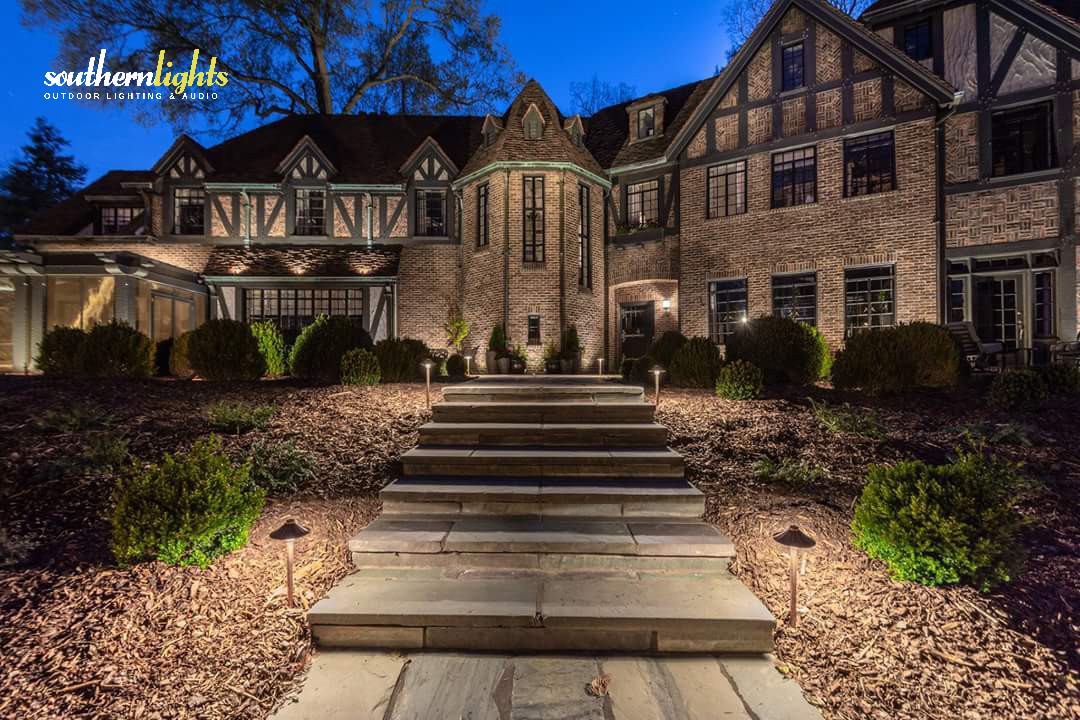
(541,462)
(510,611)
(541,544)
(538,392)
(542,412)
(599,498)
(551,435)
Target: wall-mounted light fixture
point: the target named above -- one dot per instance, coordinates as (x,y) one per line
(665,305)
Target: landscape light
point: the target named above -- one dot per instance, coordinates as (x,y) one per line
(468,365)
(290,532)
(427,382)
(600,364)
(795,540)
(657,372)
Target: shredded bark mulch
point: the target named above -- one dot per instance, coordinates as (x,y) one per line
(84,638)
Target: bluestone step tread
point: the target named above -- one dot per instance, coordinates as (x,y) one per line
(558,411)
(645,435)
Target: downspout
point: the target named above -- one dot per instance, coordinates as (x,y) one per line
(368,220)
(943,268)
(506,252)
(246,200)
(562,252)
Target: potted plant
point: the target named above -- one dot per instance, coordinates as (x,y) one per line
(551,359)
(570,357)
(518,361)
(456,327)
(496,345)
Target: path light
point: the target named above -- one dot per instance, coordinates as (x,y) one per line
(290,532)
(427,381)
(600,364)
(657,372)
(468,364)
(795,540)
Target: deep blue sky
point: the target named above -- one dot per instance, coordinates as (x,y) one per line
(648,44)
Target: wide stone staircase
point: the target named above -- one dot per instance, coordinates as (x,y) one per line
(542,514)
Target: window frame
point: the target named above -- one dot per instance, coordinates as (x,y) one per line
(790,167)
(532,219)
(789,78)
(307,222)
(532,322)
(862,143)
(642,113)
(1011,147)
(422,221)
(956,298)
(188,192)
(483,226)
(640,191)
(735,310)
(723,172)
(584,237)
(794,282)
(271,301)
(115,226)
(1043,300)
(869,275)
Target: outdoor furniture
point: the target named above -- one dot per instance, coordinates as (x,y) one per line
(1066,353)
(977,352)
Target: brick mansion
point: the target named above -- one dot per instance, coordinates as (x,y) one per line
(919,163)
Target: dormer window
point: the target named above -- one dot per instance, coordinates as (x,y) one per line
(576,137)
(310,212)
(646,123)
(532,123)
(430,209)
(119,220)
(188,209)
(490,130)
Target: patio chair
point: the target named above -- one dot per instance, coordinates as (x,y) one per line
(978,353)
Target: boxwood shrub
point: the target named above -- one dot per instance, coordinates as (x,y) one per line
(664,347)
(360,367)
(1020,388)
(695,364)
(455,366)
(739,380)
(225,350)
(179,365)
(271,347)
(58,351)
(191,508)
(898,359)
(115,350)
(1062,379)
(320,346)
(942,524)
(399,359)
(787,351)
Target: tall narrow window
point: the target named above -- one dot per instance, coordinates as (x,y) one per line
(794,178)
(646,123)
(727,308)
(792,66)
(534,330)
(532,220)
(869,299)
(188,210)
(1044,304)
(869,164)
(795,297)
(643,204)
(430,213)
(917,41)
(584,237)
(1022,140)
(726,191)
(956,300)
(482,230)
(310,212)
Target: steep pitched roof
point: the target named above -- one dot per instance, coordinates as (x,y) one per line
(861,37)
(73,214)
(608,131)
(305,260)
(1067,9)
(554,144)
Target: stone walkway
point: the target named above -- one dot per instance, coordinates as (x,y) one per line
(364,685)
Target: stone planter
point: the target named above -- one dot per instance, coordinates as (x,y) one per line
(551,367)
(490,361)
(566,365)
(504,365)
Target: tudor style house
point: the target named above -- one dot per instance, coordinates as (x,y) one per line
(918,164)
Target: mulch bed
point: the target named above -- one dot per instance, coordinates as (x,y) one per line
(84,638)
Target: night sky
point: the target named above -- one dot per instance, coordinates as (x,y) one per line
(647,44)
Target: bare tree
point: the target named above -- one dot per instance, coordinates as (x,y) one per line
(296,56)
(588,96)
(742,16)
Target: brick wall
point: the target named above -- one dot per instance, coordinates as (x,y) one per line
(834,233)
(189,257)
(428,281)
(962,148)
(482,267)
(1024,212)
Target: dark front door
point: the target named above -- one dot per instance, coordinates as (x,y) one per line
(635,328)
(997,310)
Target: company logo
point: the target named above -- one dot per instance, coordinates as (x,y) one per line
(179,84)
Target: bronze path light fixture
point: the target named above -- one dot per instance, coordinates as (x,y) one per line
(600,364)
(290,532)
(657,372)
(794,540)
(468,364)
(427,381)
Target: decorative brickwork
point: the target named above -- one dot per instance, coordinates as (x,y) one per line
(727,132)
(794,116)
(345,207)
(1025,212)
(759,74)
(862,63)
(698,146)
(220,218)
(907,98)
(830,105)
(731,98)
(828,55)
(867,97)
(794,21)
(962,148)
(428,281)
(759,121)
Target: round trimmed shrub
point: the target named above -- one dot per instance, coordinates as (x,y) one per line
(695,364)
(664,347)
(455,366)
(739,380)
(225,350)
(190,509)
(271,347)
(360,367)
(399,359)
(942,524)
(116,350)
(788,352)
(1021,388)
(898,359)
(58,351)
(179,365)
(320,346)
(1062,379)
